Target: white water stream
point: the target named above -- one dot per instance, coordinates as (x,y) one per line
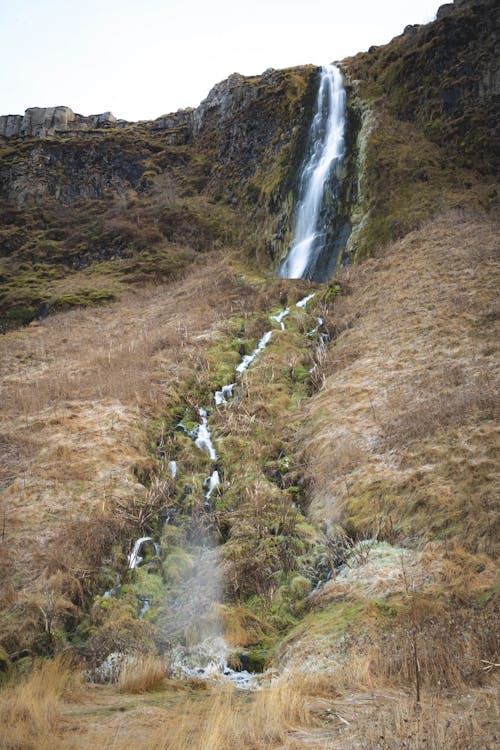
(203,437)
(280,316)
(225,392)
(327,149)
(134,559)
(249,358)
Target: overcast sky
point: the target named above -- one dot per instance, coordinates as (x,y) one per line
(143,58)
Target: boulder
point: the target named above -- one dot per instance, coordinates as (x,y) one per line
(43,121)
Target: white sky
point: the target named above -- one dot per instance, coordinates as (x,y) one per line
(143,58)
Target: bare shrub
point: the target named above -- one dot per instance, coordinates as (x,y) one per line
(141,512)
(78,550)
(123,635)
(452,644)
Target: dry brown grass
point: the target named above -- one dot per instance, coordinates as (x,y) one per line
(77,392)
(30,713)
(404,424)
(431,726)
(142,674)
(261,722)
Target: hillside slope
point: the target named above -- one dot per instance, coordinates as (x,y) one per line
(349,540)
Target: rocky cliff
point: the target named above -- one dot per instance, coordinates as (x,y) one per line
(128,187)
(41,122)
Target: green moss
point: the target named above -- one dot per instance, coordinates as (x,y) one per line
(331,622)
(145,583)
(84,298)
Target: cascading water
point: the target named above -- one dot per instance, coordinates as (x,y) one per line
(313,253)
(189,620)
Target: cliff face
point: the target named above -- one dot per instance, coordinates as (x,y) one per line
(78,191)
(429,103)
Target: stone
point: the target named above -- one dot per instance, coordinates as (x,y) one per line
(42,122)
(411,30)
(444,10)
(10,125)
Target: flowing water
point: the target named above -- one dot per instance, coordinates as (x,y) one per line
(203,439)
(249,358)
(320,173)
(280,316)
(134,559)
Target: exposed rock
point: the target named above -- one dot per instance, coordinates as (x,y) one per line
(40,122)
(43,121)
(411,30)
(10,125)
(445,10)
(222,101)
(105,118)
(174,120)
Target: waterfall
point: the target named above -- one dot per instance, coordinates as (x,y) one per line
(310,254)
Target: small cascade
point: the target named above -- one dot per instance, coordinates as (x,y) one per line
(203,439)
(172,467)
(226,392)
(302,303)
(134,559)
(212,482)
(311,255)
(280,316)
(208,660)
(249,358)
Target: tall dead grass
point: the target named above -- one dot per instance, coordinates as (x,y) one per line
(263,720)
(142,674)
(431,726)
(30,712)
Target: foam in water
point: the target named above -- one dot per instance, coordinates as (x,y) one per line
(203,438)
(324,161)
(225,392)
(213,481)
